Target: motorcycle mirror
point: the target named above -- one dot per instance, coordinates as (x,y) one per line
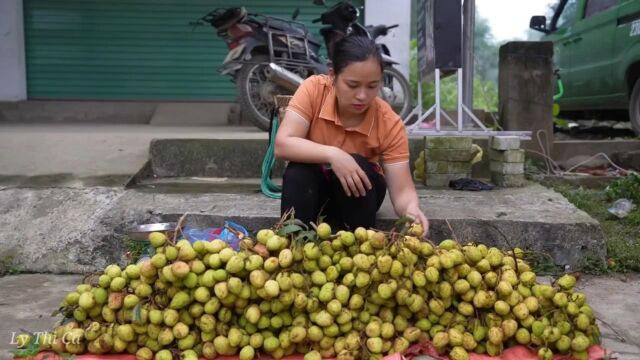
(318,2)
(296,12)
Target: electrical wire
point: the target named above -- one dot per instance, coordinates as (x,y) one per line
(555,169)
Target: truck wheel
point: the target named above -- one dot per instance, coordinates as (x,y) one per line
(634,108)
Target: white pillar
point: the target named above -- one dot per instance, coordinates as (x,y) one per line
(13,73)
(389,13)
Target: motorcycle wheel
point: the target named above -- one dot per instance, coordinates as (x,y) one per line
(396,91)
(256,92)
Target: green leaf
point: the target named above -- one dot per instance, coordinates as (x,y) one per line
(405,220)
(59,311)
(296,222)
(31,349)
(306,236)
(289,229)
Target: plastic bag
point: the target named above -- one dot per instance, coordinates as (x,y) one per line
(230,232)
(470,185)
(621,208)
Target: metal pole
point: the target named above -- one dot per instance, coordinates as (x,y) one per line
(461,114)
(419,97)
(438,99)
(468,30)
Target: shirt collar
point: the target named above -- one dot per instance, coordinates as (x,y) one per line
(329,111)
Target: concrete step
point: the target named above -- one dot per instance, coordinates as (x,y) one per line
(74,230)
(200,185)
(235,157)
(222,157)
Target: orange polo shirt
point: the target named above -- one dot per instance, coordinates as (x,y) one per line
(380,137)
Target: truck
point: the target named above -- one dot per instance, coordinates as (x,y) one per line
(597,53)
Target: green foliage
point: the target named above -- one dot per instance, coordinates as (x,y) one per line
(542,263)
(627,187)
(8,266)
(28,350)
(135,249)
(485,48)
(593,265)
(622,235)
(485,92)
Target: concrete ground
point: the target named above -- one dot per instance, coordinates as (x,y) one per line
(28,300)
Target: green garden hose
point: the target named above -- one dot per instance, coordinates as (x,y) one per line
(267,186)
(560,88)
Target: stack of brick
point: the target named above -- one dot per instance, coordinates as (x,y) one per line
(507,161)
(447,158)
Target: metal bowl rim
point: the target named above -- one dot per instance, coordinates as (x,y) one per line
(145,228)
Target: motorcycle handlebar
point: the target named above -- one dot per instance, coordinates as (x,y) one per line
(380,30)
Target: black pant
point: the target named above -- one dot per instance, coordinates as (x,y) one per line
(310,189)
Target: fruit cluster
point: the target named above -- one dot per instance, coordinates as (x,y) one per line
(348,295)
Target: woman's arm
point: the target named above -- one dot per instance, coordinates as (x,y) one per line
(403,193)
(291,144)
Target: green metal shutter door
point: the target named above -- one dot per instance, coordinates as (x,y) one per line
(133,50)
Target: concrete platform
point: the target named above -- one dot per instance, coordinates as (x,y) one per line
(74,230)
(28,300)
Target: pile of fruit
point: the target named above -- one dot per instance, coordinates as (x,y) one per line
(357,295)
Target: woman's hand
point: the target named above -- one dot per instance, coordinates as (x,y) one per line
(353,179)
(414,212)
(403,193)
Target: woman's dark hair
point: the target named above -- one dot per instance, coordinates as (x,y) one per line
(351,49)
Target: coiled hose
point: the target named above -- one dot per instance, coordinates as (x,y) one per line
(267,186)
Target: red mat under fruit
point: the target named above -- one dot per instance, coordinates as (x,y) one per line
(514,353)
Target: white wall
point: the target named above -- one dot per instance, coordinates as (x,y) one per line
(389,13)
(13,75)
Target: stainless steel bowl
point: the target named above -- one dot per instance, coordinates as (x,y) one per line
(141,232)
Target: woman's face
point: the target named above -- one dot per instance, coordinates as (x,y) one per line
(357,86)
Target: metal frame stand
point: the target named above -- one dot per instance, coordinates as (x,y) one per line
(414,129)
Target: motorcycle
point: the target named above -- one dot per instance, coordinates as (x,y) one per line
(271,56)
